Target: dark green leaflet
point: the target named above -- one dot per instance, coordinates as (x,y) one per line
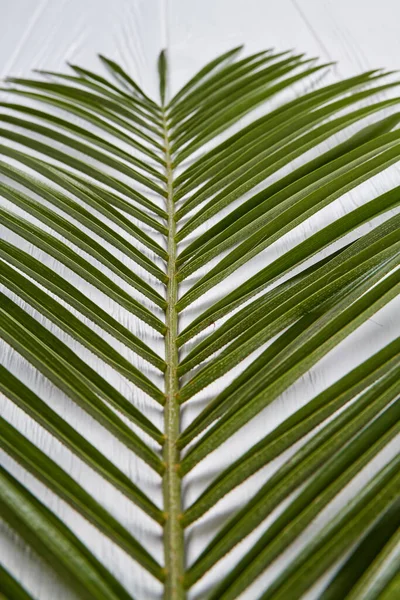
(297,207)
(348,459)
(311,280)
(266,327)
(296,426)
(162,71)
(280,266)
(98,104)
(253,151)
(223,98)
(82,267)
(65,369)
(55,543)
(219,90)
(140,112)
(299,145)
(33,459)
(89,80)
(196,80)
(287,358)
(375,497)
(52,133)
(75,210)
(365,553)
(212,157)
(254,98)
(225,76)
(102,123)
(54,311)
(79,238)
(295,211)
(381,580)
(11,588)
(90,136)
(95,173)
(89,194)
(87,75)
(67,292)
(127,81)
(38,410)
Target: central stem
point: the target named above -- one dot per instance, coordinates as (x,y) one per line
(173,532)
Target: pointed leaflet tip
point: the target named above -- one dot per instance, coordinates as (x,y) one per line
(162,71)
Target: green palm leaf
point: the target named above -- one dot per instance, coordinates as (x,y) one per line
(141,206)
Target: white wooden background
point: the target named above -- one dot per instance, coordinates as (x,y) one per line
(360,35)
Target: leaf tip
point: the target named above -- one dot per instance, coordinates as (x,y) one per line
(162,71)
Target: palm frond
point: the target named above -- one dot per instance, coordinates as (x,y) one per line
(109,197)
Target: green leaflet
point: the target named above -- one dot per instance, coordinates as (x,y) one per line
(98,194)
(203,73)
(79,238)
(307,463)
(295,210)
(88,194)
(227,75)
(293,305)
(274,316)
(274,137)
(162,72)
(67,292)
(35,461)
(127,82)
(374,497)
(217,91)
(225,97)
(62,317)
(93,172)
(11,588)
(79,265)
(275,159)
(87,76)
(359,514)
(103,166)
(304,250)
(250,101)
(101,122)
(384,532)
(79,381)
(55,543)
(298,425)
(392,589)
(90,80)
(75,210)
(38,410)
(65,178)
(382,579)
(212,158)
(287,358)
(98,104)
(80,146)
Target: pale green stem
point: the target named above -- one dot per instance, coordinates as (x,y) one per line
(173,531)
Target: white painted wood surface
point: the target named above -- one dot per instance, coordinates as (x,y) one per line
(360,35)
